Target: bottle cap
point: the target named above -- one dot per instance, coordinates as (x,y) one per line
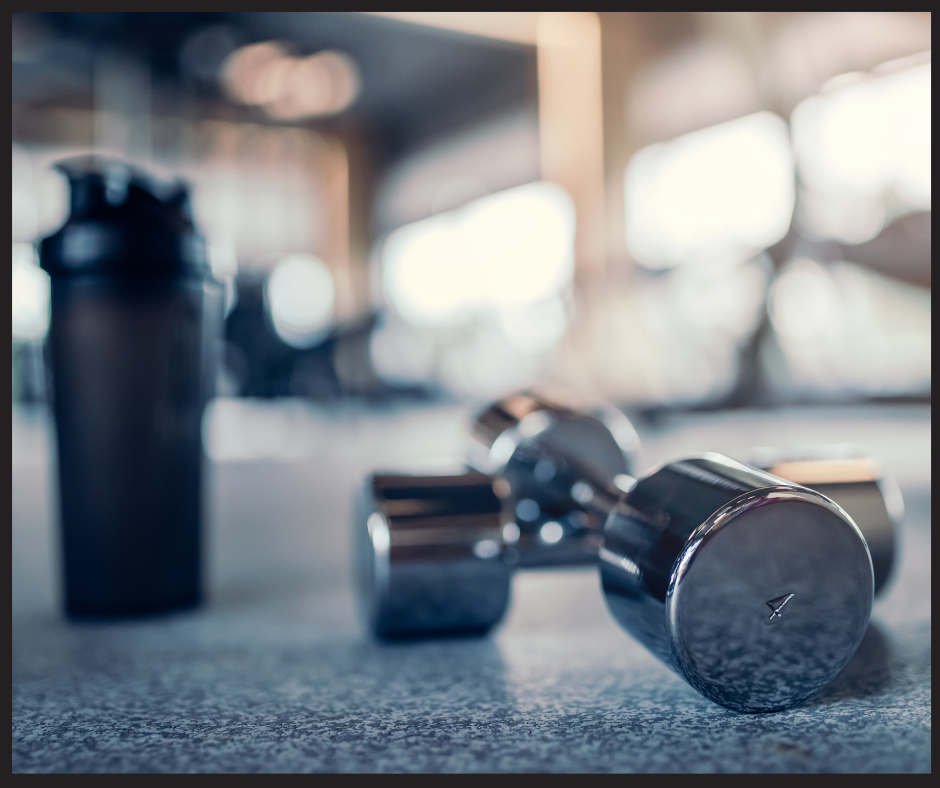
(123,222)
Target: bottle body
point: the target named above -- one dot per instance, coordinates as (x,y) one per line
(132,364)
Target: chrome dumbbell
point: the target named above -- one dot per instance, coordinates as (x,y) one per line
(435,551)
(756,590)
(753,588)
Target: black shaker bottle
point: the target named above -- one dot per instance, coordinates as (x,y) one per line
(135,322)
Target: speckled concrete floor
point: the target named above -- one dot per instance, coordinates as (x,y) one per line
(274,675)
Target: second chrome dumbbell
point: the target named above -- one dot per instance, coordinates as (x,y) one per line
(436,550)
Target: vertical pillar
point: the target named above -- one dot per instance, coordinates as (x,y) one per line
(571,125)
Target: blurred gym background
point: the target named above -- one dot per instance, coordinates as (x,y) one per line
(719,222)
(668,210)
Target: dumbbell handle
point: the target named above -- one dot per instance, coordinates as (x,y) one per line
(532,443)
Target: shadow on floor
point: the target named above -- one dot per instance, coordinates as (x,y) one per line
(868,673)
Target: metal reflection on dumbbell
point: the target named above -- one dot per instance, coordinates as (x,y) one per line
(850,476)
(537,442)
(756,590)
(429,554)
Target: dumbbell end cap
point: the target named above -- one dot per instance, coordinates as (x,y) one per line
(429,555)
(769,599)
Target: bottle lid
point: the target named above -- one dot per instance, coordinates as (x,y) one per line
(123,222)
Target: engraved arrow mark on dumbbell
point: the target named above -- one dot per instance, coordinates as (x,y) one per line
(777,605)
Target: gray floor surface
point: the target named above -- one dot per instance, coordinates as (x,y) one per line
(273,674)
